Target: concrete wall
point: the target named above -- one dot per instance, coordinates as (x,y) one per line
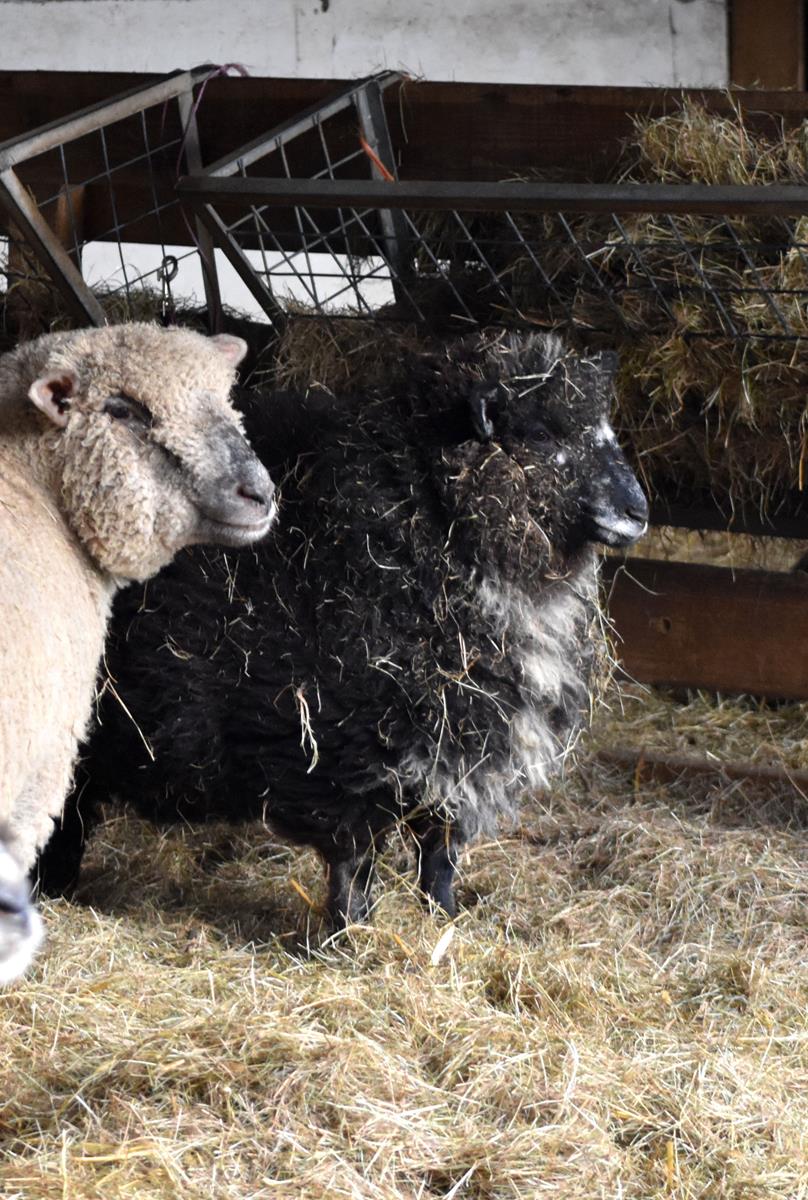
(656,42)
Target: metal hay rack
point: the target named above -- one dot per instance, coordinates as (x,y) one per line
(314,219)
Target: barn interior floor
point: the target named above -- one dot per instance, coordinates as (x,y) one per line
(619,1011)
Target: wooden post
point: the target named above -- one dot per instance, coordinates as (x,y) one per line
(767,44)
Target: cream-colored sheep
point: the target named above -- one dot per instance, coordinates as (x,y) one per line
(118,446)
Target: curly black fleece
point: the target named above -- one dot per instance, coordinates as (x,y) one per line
(368,661)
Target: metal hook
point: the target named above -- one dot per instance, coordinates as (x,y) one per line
(167,273)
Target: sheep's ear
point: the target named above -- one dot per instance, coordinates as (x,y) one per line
(233,348)
(53,394)
(482,398)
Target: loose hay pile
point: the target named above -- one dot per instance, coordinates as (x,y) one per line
(620,1012)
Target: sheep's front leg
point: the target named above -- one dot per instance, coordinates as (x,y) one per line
(33,811)
(438,846)
(350,878)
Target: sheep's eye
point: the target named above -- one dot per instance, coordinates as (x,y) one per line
(542,434)
(125,408)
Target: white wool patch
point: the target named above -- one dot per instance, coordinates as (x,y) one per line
(604,433)
(20,933)
(544,637)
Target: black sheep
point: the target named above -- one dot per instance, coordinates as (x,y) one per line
(415,640)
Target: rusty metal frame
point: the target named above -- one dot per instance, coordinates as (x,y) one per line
(24,214)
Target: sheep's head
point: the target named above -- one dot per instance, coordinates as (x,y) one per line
(147,451)
(541,460)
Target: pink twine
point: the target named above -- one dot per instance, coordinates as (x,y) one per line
(225,69)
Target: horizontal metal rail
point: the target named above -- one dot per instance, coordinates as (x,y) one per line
(96,116)
(748,200)
(257,149)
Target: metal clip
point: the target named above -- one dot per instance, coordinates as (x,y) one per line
(167,273)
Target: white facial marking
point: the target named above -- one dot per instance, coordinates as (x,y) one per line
(604,433)
(561,458)
(624,527)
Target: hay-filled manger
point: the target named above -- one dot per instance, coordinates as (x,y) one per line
(708,311)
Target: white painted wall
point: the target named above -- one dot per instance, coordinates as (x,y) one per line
(629,42)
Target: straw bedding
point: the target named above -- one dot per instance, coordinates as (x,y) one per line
(619,1011)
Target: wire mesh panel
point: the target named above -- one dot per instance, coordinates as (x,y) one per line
(697,261)
(91,208)
(323,261)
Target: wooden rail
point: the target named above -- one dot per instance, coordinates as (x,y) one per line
(696,626)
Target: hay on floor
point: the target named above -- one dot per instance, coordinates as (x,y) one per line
(619,1011)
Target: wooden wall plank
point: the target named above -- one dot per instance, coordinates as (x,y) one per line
(767,44)
(697,626)
(441,130)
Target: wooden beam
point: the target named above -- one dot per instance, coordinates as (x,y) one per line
(647,764)
(695,626)
(767,44)
(439,130)
(704,512)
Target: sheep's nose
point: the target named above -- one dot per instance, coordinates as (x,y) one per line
(637,510)
(240,503)
(257,492)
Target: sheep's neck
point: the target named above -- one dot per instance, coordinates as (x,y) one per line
(30,465)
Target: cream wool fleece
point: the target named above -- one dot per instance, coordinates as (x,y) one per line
(118,446)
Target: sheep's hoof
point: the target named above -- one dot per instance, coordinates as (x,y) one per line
(349,885)
(440,895)
(437,848)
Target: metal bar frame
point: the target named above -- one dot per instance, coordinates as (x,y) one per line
(370,106)
(207,257)
(365,96)
(220,235)
(257,149)
(23,211)
(747,200)
(96,116)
